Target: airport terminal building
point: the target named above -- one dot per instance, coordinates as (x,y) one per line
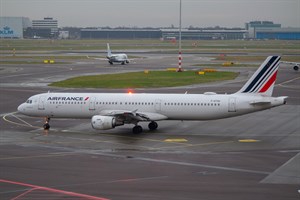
(161,33)
(48,23)
(252,30)
(268,30)
(278,34)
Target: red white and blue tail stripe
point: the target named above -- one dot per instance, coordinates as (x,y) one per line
(263,80)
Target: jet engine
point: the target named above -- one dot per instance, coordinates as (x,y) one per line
(103,122)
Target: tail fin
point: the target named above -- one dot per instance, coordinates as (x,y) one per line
(263,80)
(108,50)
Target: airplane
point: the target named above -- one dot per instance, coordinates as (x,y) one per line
(114,58)
(296,65)
(117,58)
(109,110)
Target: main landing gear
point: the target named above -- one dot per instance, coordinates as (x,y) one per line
(137,129)
(46,126)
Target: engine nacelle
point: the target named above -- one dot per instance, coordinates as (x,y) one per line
(103,122)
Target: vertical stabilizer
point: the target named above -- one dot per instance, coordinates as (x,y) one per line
(108,50)
(263,80)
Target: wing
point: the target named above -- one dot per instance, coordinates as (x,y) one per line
(129,117)
(96,58)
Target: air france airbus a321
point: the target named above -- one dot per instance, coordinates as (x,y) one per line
(108,110)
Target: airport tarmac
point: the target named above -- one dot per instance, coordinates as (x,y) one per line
(255,156)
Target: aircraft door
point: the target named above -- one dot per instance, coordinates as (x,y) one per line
(41,105)
(158,105)
(92,103)
(232,104)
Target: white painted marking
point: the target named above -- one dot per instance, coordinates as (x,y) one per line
(18,118)
(205,166)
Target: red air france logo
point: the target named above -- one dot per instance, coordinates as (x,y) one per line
(86,98)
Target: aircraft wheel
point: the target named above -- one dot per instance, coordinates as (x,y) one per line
(123,63)
(137,129)
(296,67)
(46,126)
(110,62)
(152,126)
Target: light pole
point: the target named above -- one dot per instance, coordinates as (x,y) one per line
(179,51)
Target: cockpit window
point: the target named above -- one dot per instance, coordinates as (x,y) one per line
(29,101)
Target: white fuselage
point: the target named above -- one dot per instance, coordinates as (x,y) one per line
(173,106)
(118,58)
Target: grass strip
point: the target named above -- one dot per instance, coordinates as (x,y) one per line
(153,79)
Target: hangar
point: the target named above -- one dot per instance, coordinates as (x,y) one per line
(13,27)
(204,34)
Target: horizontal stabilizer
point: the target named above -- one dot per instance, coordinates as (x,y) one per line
(269,100)
(260,101)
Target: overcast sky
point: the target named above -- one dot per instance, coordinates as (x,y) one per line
(155,13)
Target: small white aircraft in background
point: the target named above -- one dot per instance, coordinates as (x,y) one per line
(296,65)
(114,58)
(108,110)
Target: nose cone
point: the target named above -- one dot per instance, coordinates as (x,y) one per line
(21,108)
